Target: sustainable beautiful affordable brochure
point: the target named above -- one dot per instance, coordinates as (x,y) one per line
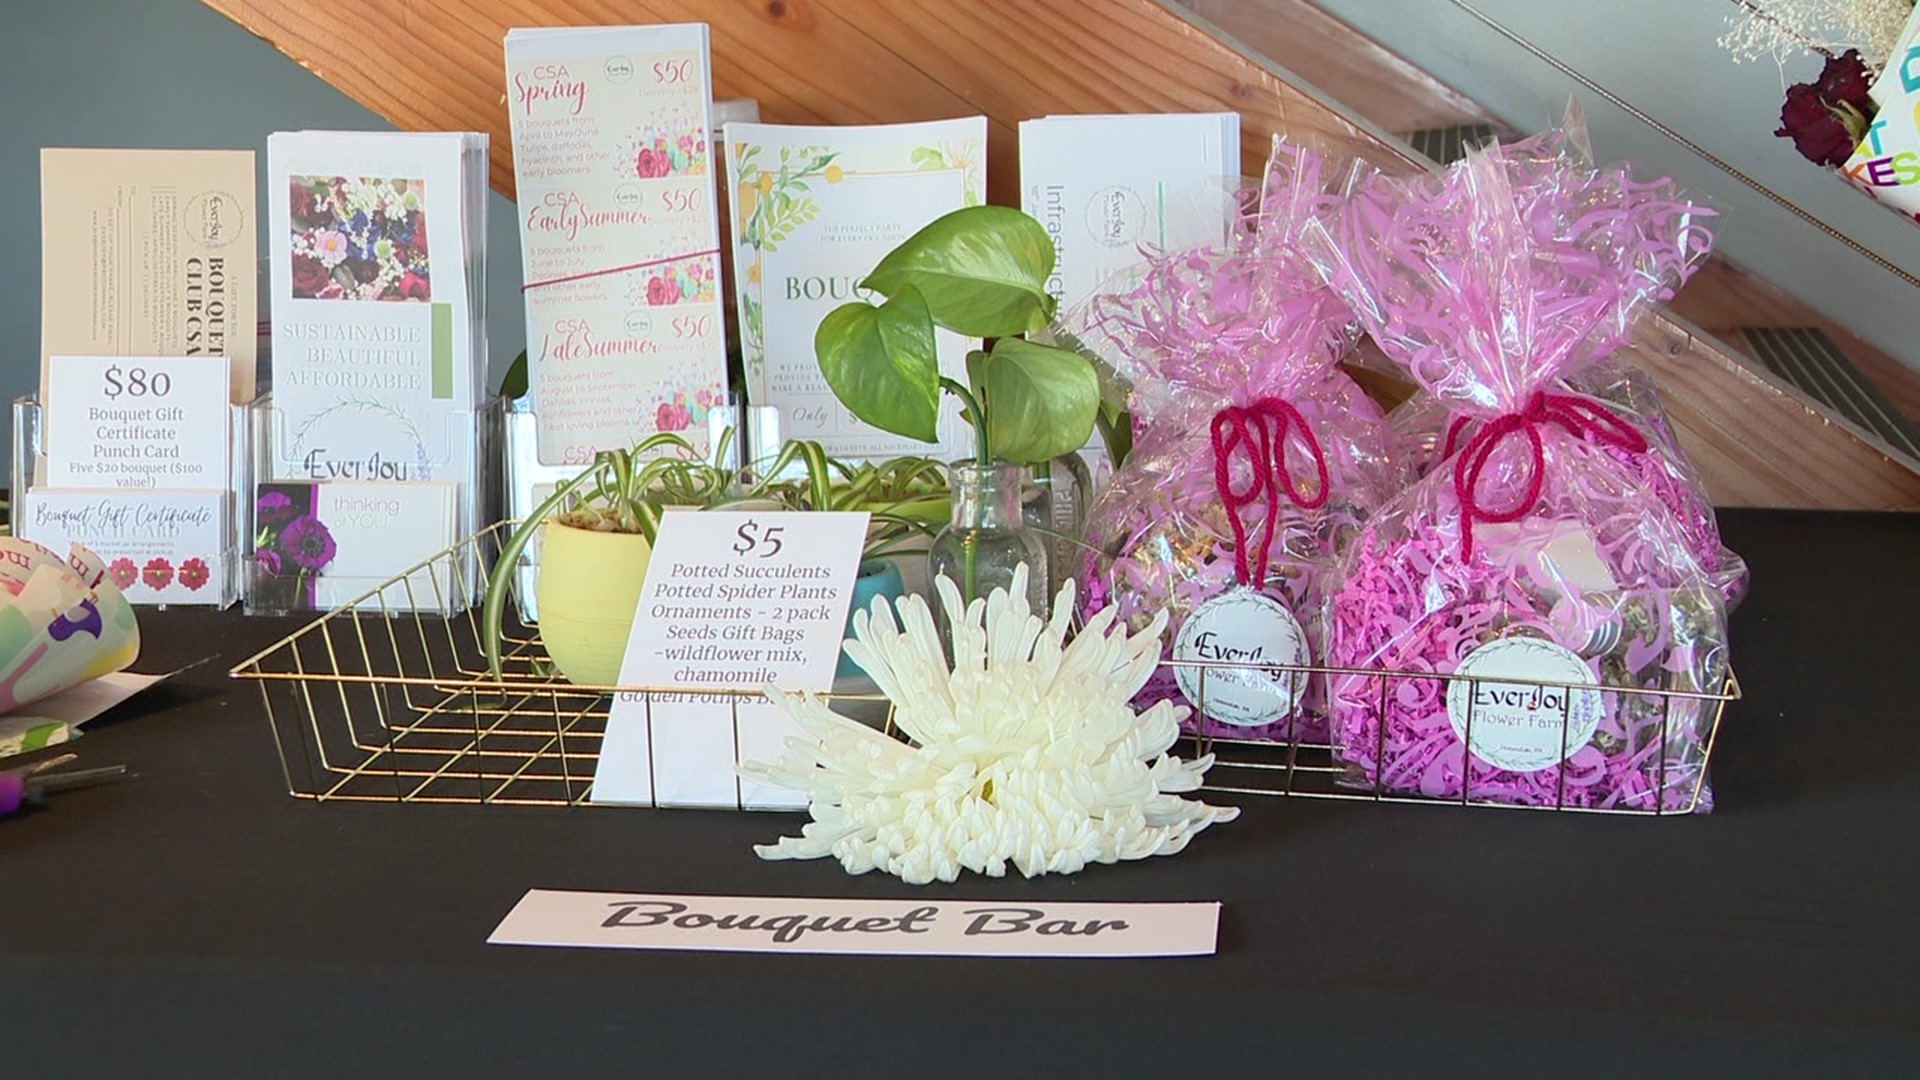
(619,233)
(148,253)
(378,263)
(814,210)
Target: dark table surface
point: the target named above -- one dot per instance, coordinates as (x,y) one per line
(196,921)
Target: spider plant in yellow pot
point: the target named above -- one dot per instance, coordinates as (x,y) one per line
(597,533)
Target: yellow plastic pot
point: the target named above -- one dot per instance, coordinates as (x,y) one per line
(588,589)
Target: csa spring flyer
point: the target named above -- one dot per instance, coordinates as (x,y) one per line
(619,233)
(814,209)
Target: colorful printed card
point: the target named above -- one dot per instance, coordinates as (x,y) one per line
(619,233)
(319,546)
(814,210)
(148,253)
(159,546)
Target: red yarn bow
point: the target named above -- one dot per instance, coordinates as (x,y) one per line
(1260,430)
(1579,416)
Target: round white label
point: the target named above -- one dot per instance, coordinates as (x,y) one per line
(1517,726)
(1241,627)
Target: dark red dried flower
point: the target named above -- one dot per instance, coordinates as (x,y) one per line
(1845,78)
(1827,118)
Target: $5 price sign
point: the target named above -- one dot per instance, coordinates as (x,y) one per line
(752,539)
(134,383)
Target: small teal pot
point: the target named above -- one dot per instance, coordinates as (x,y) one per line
(877,577)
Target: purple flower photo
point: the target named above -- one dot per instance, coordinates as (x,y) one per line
(308,543)
(291,547)
(274,508)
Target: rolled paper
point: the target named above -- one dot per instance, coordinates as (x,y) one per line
(1546,547)
(62,622)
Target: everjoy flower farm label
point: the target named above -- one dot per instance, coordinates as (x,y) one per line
(857,927)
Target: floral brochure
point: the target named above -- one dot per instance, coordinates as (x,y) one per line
(378,245)
(619,233)
(814,210)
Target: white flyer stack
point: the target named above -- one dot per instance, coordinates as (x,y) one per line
(378,268)
(1113,189)
(1110,188)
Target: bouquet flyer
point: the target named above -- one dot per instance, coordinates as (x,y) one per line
(619,233)
(814,208)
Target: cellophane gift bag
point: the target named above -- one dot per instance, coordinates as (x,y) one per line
(1537,551)
(1255,458)
(1433,432)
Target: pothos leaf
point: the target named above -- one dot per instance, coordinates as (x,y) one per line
(880,362)
(983,271)
(1041,402)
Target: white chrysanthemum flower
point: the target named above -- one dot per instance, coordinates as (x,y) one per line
(1024,752)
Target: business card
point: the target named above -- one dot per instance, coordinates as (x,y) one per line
(321,546)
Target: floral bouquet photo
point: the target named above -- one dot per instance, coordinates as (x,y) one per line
(689,281)
(359,239)
(291,547)
(679,412)
(675,146)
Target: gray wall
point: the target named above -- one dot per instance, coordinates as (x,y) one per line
(163,73)
(1661,57)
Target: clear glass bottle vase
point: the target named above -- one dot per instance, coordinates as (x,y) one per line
(988,537)
(1055,500)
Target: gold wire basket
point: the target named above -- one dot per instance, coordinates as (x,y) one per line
(389,698)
